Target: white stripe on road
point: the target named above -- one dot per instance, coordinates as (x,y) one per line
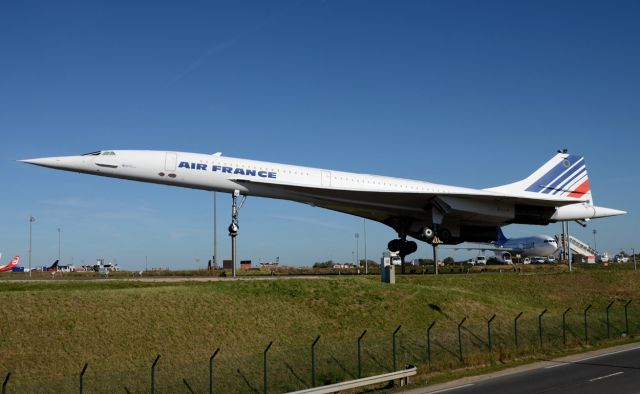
(605,376)
(560,364)
(451,388)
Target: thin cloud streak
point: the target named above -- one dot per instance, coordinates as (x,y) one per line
(231,42)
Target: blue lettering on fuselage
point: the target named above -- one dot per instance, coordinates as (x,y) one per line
(229,170)
(192,166)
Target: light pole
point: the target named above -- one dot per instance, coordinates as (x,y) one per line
(364,229)
(357,251)
(58,243)
(31,220)
(595,246)
(634,259)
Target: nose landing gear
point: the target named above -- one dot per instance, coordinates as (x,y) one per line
(234,226)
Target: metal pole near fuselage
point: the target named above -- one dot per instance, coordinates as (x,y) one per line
(233,230)
(435,258)
(568,246)
(215,231)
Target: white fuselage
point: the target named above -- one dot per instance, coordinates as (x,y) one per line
(535,246)
(409,206)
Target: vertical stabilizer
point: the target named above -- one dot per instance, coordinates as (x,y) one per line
(501,238)
(565,175)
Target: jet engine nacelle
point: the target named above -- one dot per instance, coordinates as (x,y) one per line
(503,257)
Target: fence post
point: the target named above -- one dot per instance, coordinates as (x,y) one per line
(313,361)
(540,325)
(429,342)
(586,336)
(515,327)
(460,339)
(82,377)
(626,318)
(265,376)
(395,365)
(153,374)
(211,370)
(608,327)
(360,353)
(6,381)
(489,333)
(564,327)
(184,380)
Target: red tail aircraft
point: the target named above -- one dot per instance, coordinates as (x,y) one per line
(12,263)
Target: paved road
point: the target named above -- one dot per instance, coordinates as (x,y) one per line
(611,371)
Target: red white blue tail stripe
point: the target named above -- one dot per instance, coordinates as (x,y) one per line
(566,177)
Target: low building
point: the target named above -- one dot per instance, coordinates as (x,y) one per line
(343,266)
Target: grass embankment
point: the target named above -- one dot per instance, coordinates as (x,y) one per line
(49,329)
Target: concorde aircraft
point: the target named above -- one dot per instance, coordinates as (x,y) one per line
(557,191)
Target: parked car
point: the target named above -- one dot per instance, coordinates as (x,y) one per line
(620,259)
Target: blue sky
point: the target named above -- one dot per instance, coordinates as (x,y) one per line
(464,93)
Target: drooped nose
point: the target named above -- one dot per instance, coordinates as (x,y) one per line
(61,162)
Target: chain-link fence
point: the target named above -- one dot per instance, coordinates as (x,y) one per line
(440,345)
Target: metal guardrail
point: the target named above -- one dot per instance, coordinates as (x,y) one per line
(402,375)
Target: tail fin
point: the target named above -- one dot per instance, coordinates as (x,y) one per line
(564,175)
(14,261)
(501,238)
(53,266)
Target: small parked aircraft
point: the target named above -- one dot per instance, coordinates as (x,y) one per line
(10,265)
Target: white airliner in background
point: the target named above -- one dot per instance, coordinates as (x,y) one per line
(557,191)
(533,246)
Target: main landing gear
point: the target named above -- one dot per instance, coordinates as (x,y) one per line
(432,235)
(402,247)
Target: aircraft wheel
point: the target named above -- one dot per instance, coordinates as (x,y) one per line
(394,245)
(444,234)
(428,233)
(410,247)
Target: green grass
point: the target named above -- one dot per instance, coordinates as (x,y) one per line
(50,328)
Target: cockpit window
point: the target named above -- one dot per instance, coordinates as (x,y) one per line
(97,153)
